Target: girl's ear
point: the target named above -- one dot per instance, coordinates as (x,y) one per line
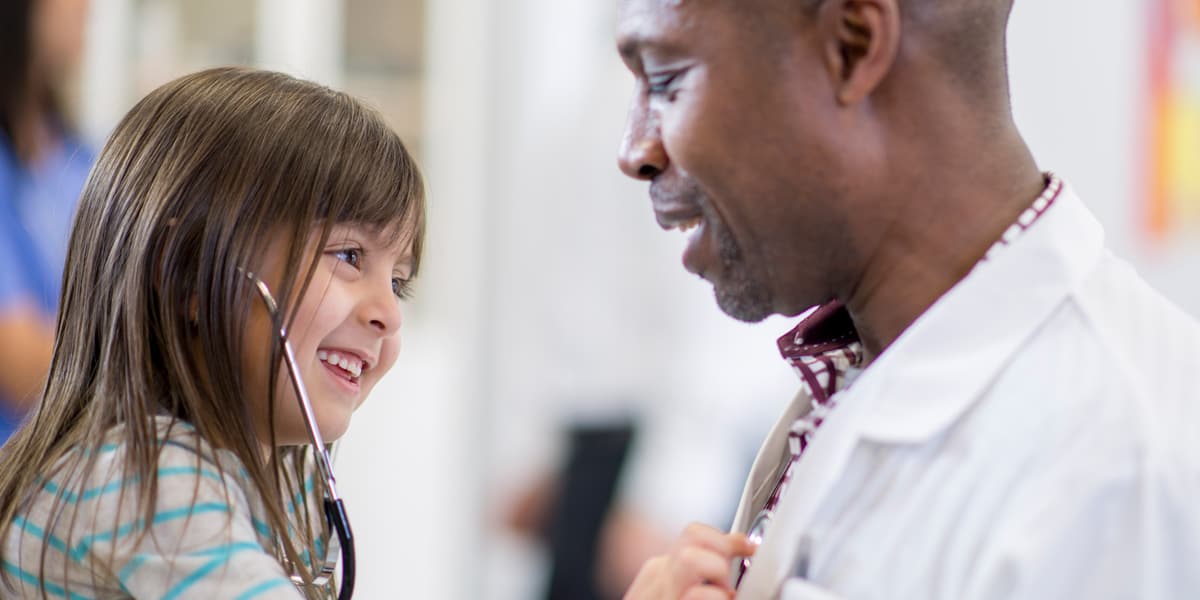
(193,312)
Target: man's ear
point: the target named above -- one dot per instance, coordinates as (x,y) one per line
(862,41)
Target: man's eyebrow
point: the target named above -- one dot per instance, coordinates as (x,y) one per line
(635,47)
(628,47)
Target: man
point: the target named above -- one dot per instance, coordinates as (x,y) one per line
(992,406)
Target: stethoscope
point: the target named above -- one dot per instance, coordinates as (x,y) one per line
(335,509)
(758,528)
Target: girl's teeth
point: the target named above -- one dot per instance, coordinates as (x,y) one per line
(354,367)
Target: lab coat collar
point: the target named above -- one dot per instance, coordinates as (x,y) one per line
(940,366)
(828,327)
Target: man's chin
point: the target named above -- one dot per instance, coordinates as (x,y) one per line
(746,303)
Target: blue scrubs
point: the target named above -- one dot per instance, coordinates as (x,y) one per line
(37,207)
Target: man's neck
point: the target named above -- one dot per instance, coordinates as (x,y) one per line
(955,214)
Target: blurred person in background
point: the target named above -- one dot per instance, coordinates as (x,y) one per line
(43,165)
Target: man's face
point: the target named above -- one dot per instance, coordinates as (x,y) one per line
(728,126)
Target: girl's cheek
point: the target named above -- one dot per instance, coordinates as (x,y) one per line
(388,354)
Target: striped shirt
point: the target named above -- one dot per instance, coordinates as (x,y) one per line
(208,538)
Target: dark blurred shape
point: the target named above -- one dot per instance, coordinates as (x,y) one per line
(595,458)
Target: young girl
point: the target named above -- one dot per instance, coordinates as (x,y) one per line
(169,457)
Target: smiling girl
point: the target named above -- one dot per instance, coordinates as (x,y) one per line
(168,457)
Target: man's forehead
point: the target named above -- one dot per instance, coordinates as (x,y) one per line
(641,9)
(634,5)
(640,22)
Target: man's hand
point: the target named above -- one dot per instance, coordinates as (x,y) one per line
(697,568)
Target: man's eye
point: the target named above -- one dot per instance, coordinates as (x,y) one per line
(351,256)
(662,84)
(401,288)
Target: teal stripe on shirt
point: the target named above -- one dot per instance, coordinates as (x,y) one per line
(298,500)
(38,532)
(139,559)
(32,580)
(265,586)
(261,527)
(92,493)
(241,471)
(104,449)
(81,549)
(223,555)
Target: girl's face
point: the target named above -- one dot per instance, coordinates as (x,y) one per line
(345,332)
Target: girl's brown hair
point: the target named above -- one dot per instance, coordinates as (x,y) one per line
(187,193)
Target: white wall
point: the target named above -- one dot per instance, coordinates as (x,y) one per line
(1079,92)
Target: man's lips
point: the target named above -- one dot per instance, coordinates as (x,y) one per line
(682,210)
(674,210)
(697,254)
(683,220)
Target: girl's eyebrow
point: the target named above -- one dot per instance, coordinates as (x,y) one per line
(404,261)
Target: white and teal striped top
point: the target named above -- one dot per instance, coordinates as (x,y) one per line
(208,538)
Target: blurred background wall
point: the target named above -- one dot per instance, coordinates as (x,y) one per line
(551,302)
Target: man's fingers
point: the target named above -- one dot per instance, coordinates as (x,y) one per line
(741,545)
(698,568)
(706,592)
(728,545)
(650,582)
(693,565)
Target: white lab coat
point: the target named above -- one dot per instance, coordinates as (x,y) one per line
(1034,434)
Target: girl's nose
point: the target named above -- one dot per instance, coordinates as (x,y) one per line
(380,309)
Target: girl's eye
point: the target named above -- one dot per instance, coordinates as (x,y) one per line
(350,256)
(401,288)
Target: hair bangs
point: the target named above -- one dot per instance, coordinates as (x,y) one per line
(378,185)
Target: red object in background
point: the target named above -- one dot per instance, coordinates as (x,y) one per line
(1159,42)
(1172,152)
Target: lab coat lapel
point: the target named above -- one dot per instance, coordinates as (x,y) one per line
(768,464)
(812,479)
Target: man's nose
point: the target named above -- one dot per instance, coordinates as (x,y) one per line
(642,155)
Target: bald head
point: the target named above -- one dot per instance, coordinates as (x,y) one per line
(966,37)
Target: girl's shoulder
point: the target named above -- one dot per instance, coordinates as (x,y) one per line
(185,472)
(95,526)
(179,452)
